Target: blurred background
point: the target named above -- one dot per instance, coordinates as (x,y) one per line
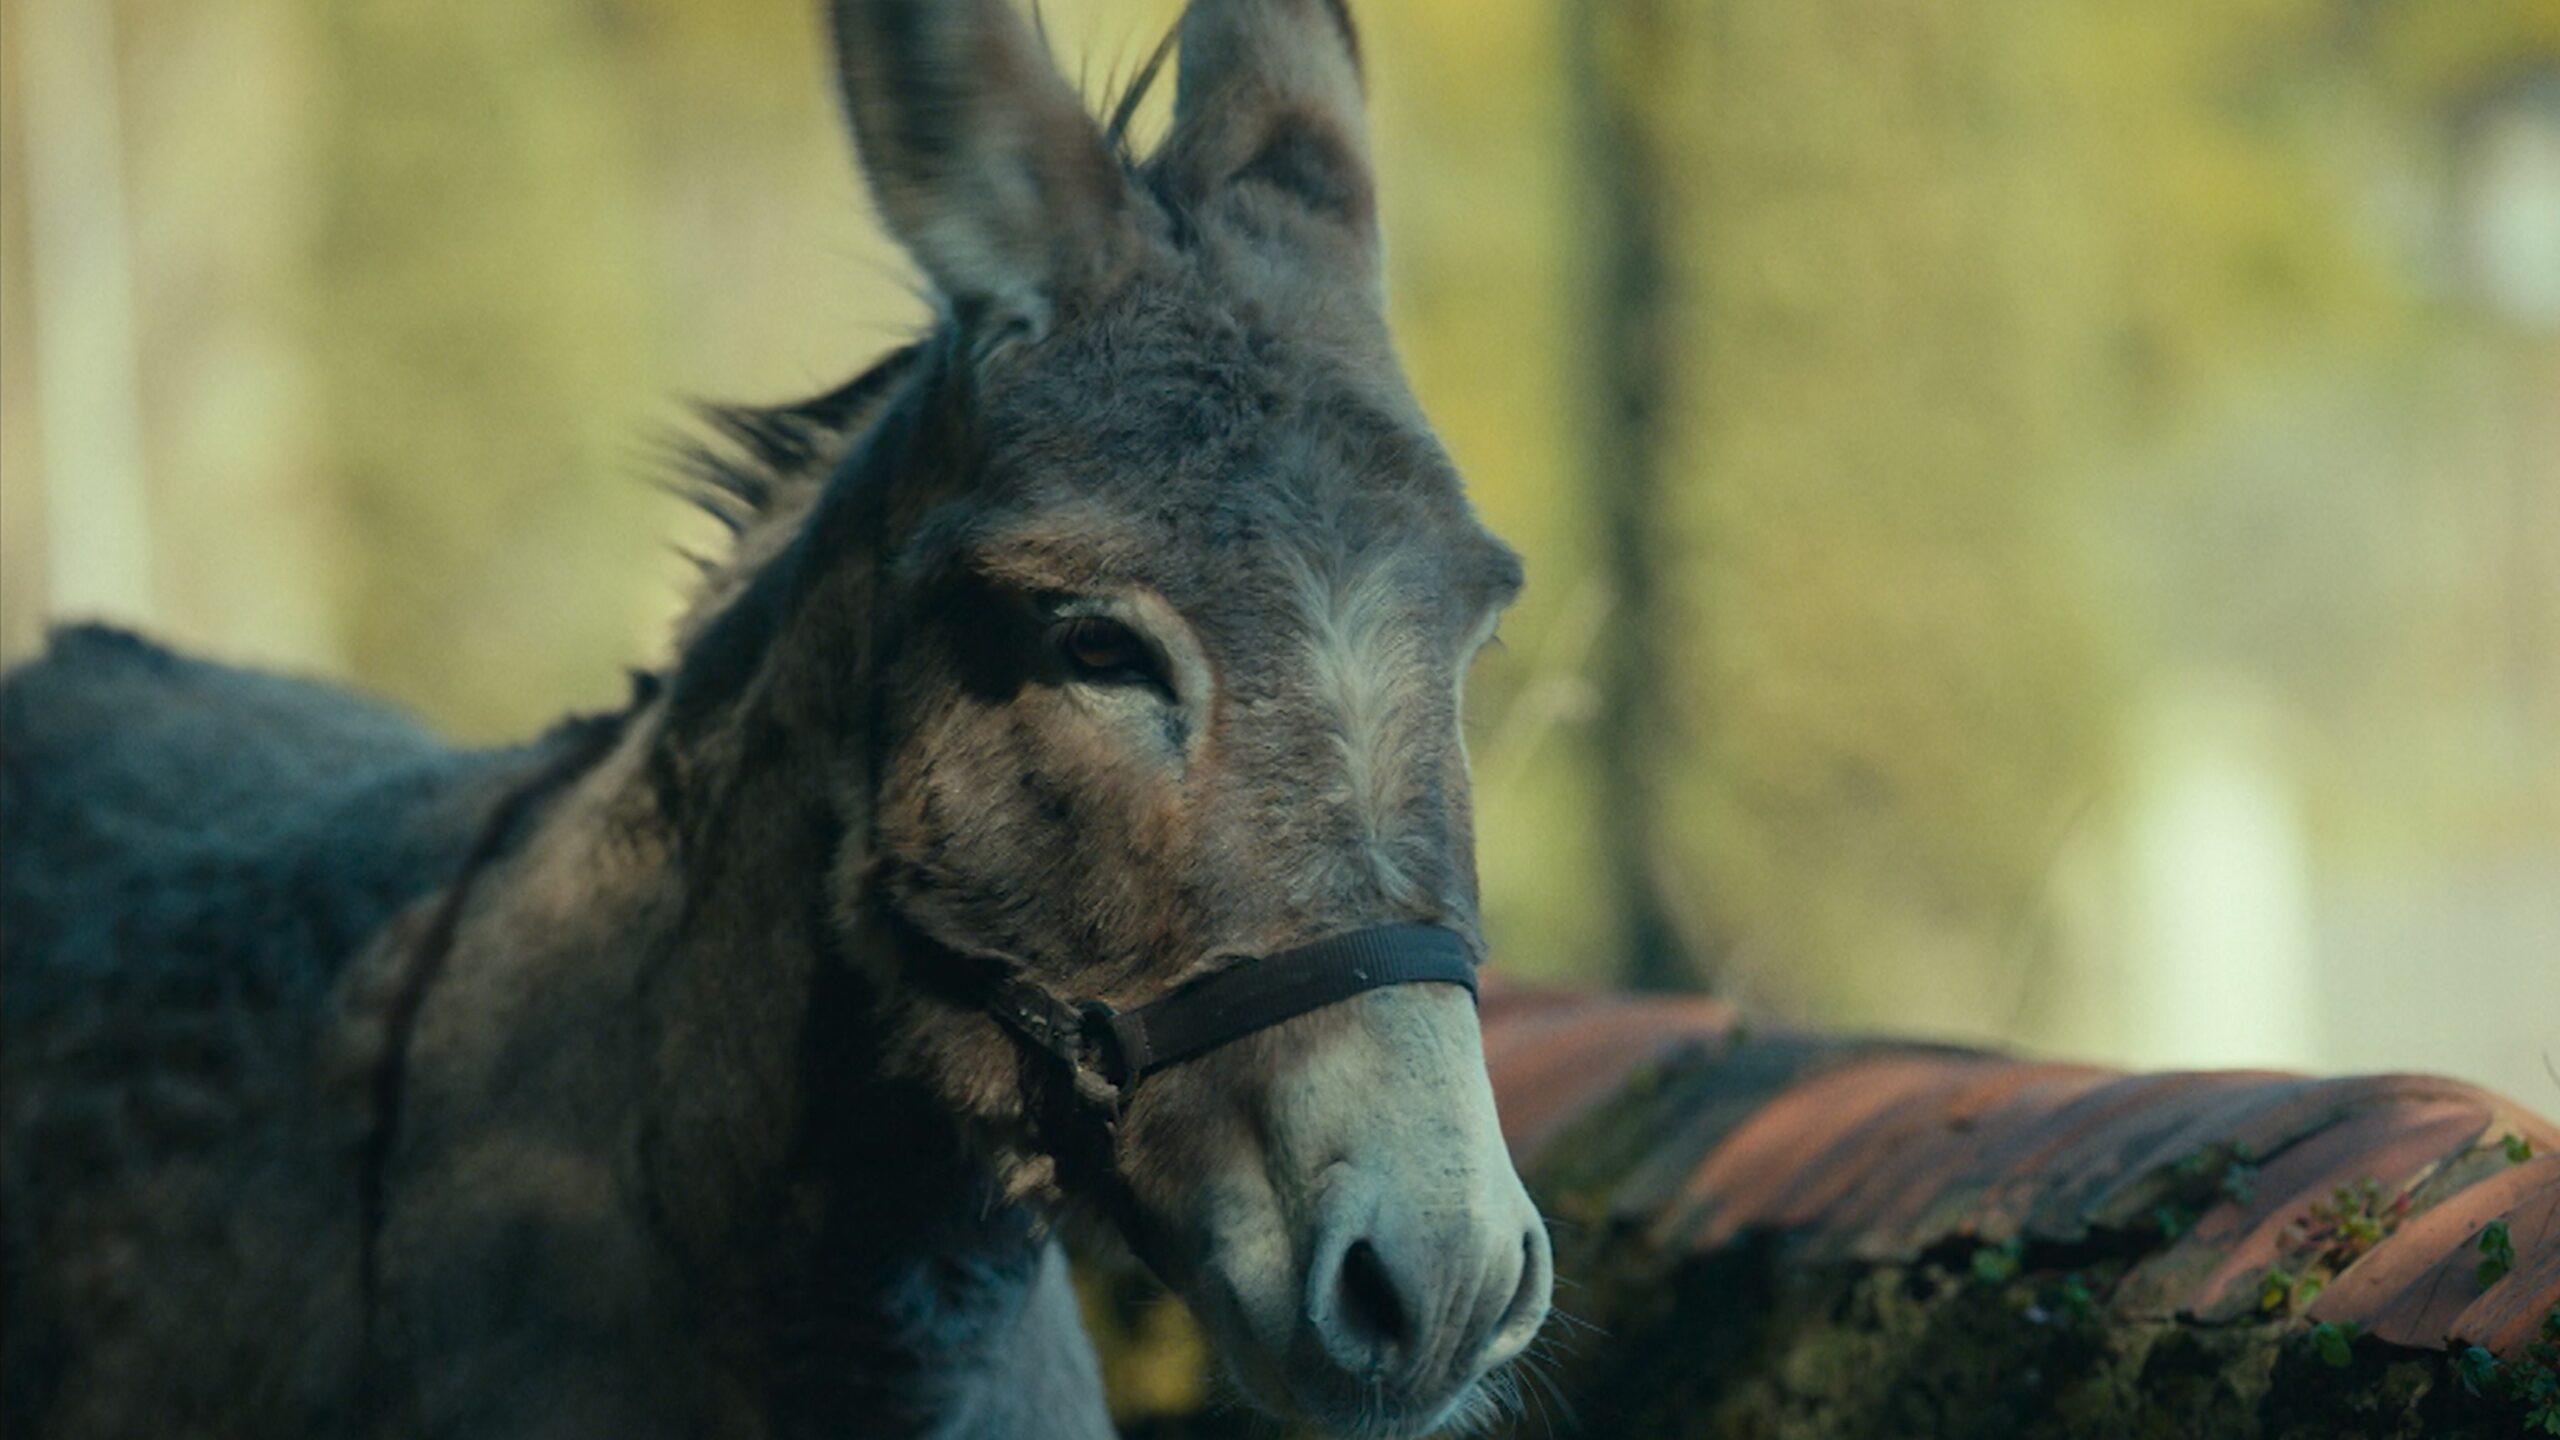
(2043,515)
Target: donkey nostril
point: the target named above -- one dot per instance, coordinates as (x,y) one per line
(1371,1308)
(1527,1312)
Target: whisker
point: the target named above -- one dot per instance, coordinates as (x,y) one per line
(1575,1324)
(1553,1389)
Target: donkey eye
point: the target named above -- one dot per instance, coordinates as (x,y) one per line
(1105,651)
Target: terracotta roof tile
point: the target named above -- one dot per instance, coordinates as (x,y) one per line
(1672,1116)
(2411,1290)
(2120,1172)
(1937,1184)
(2214,1270)
(1563,1052)
(1776,1168)
(2239,1114)
(2511,1310)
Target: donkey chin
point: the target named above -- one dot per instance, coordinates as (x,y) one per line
(1362,1253)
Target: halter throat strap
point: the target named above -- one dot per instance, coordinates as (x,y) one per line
(1122,1047)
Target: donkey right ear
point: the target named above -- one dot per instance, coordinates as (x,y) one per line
(1268,110)
(984,163)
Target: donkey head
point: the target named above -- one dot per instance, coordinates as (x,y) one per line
(1170,597)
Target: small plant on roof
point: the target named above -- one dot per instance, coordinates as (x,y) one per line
(2209,1164)
(2201,1178)
(2288,1292)
(2477,1369)
(1998,1264)
(2537,1384)
(2497,1254)
(2240,1182)
(2335,1340)
(2326,1238)
(2531,1380)
(2075,1297)
(2335,1233)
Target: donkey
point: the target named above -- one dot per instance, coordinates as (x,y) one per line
(1054,812)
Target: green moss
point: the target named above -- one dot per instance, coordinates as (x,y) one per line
(2497,1254)
(1754,1343)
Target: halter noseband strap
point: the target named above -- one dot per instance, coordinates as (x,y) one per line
(1123,1047)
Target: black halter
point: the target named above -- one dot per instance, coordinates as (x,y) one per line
(1119,1048)
(1107,1051)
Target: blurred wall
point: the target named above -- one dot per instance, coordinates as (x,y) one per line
(2108,501)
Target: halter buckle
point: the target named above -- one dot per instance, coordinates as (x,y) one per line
(1099,1049)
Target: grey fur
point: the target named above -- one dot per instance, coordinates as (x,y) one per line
(611,1086)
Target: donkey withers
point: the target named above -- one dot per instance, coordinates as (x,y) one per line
(720,1067)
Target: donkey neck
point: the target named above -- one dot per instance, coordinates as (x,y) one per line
(753,768)
(803,1180)
(889,1272)
(643,1031)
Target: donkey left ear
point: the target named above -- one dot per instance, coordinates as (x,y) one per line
(1268,116)
(984,162)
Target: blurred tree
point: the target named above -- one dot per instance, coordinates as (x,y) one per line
(1887,678)
(86,340)
(1622,69)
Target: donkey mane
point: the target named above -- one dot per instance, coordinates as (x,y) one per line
(758,470)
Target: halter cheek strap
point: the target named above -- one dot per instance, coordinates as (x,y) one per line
(1122,1047)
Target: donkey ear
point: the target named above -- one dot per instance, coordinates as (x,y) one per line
(984,163)
(1268,106)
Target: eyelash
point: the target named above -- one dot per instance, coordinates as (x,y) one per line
(1102,651)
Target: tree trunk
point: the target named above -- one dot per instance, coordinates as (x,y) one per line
(1618,64)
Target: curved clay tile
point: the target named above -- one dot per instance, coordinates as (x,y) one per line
(2220,1192)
